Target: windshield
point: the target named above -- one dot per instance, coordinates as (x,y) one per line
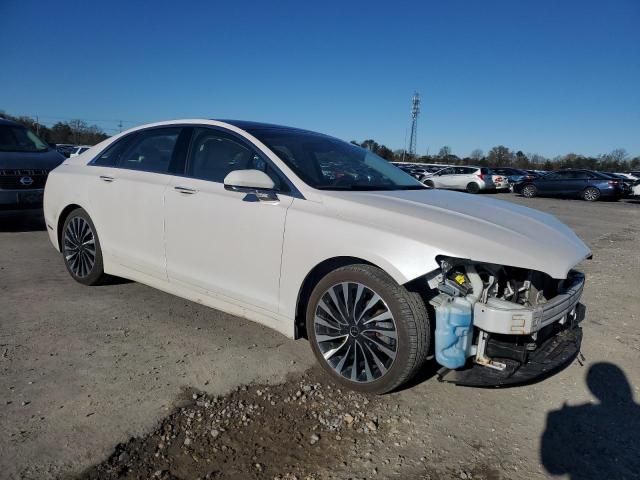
(330,164)
(19,139)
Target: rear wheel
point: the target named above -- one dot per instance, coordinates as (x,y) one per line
(529,191)
(473,187)
(591,194)
(81,249)
(429,183)
(366,331)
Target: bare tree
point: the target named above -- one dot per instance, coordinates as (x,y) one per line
(444,151)
(477,154)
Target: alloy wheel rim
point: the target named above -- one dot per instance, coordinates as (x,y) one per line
(591,195)
(79,247)
(528,191)
(355,332)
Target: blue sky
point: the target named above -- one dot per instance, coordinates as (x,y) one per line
(542,76)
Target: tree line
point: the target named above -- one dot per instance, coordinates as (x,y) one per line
(76,132)
(617,160)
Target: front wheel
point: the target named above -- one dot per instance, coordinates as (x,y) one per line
(429,183)
(81,249)
(367,332)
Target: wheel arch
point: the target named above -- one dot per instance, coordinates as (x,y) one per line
(319,271)
(66,211)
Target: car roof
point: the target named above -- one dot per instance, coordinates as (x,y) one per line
(261,126)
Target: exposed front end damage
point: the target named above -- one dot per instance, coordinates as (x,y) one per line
(498,325)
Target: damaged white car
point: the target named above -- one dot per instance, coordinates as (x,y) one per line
(318,238)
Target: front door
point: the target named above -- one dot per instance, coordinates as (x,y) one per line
(224,242)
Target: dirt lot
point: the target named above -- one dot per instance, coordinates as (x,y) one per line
(122,381)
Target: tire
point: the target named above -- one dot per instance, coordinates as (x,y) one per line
(429,183)
(81,250)
(473,187)
(529,191)
(591,194)
(383,362)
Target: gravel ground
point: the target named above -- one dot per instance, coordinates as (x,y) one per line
(123,381)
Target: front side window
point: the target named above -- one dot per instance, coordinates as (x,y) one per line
(330,164)
(15,138)
(214,154)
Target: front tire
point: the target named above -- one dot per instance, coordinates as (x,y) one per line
(429,184)
(367,332)
(81,250)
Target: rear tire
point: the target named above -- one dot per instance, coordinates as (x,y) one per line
(591,194)
(81,250)
(429,184)
(340,320)
(529,191)
(473,187)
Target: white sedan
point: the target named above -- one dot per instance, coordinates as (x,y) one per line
(468,179)
(318,238)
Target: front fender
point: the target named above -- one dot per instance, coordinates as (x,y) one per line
(312,237)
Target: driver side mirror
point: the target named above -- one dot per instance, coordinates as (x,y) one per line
(251,181)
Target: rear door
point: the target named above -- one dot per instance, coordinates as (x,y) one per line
(127,198)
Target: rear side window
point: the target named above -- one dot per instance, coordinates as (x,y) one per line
(150,151)
(111,156)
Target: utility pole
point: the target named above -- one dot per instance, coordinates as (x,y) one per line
(120,126)
(415,111)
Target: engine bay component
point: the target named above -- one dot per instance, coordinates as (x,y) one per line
(454,330)
(498,315)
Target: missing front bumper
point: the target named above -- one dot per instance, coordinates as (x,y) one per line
(551,356)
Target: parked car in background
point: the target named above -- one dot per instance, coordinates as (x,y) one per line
(316,237)
(65,149)
(630,176)
(417,170)
(78,150)
(627,183)
(586,184)
(514,175)
(469,179)
(25,162)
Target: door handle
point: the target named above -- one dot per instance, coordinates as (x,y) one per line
(106,178)
(185,190)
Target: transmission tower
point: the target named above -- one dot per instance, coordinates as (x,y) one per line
(415,110)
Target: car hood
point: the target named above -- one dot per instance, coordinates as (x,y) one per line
(30,160)
(467,226)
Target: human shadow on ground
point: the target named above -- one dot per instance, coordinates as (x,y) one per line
(596,440)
